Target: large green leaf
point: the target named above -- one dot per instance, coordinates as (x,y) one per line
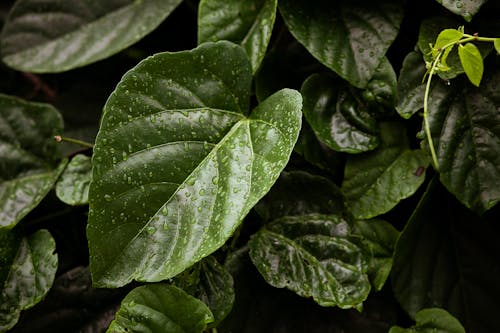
(433,320)
(313,256)
(54,36)
(28,154)
(249,23)
(337,117)
(447,257)
(411,88)
(350,37)
(177,165)
(466,9)
(160,308)
(73,187)
(27,276)
(375,182)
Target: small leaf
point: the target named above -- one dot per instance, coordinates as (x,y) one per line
(445,37)
(382,85)
(28,156)
(313,256)
(472,62)
(159,308)
(497,45)
(55,36)
(411,89)
(249,23)
(431,320)
(466,9)
(73,187)
(27,278)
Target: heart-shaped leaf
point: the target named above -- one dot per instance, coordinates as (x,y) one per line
(55,36)
(466,9)
(73,187)
(28,155)
(375,182)
(336,116)
(177,165)
(27,273)
(249,23)
(159,308)
(432,320)
(350,37)
(313,256)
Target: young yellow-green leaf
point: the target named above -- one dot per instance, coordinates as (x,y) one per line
(249,23)
(313,256)
(55,36)
(28,156)
(466,9)
(160,308)
(472,62)
(73,186)
(445,37)
(432,320)
(177,165)
(497,45)
(27,275)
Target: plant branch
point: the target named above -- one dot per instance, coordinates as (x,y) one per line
(59,138)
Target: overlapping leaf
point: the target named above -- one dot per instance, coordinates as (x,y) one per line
(350,37)
(28,154)
(249,23)
(73,187)
(466,9)
(411,89)
(177,165)
(55,36)
(430,321)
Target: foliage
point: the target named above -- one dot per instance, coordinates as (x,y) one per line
(249,166)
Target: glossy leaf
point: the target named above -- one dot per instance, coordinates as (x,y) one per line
(411,88)
(336,116)
(375,182)
(28,276)
(159,308)
(73,187)
(446,257)
(381,88)
(313,256)
(466,9)
(56,36)
(431,321)
(377,238)
(28,155)
(249,23)
(472,62)
(177,165)
(350,37)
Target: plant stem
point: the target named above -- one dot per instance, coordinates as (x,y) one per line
(59,138)
(426,111)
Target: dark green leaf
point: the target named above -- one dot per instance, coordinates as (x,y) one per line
(472,62)
(249,23)
(466,9)
(28,277)
(375,182)
(55,36)
(447,257)
(313,256)
(177,165)
(337,117)
(160,308)
(411,88)
(28,154)
(350,37)
(73,187)
(382,87)
(432,320)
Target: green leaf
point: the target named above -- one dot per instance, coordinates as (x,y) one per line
(349,37)
(28,275)
(446,257)
(56,36)
(249,23)
(336,116)
(313,256)
(160,308)
(177,165)
(375,182)
(73,187)
(446,37)
(432,320)
(472,62)
(28,155)
(377,238)
(497,45)
(382,86)
(411,89)
(466,9)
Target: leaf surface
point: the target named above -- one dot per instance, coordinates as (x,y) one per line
(56,36)
(411,88)
(432,320)
(466,9)
(177,165)
(73,187)
(472,62)
(159,308)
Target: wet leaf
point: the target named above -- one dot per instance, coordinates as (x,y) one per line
(411,88)
(56,36)
(382,87)
(430,321)
(73,187)
(466,9)
(177,165)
